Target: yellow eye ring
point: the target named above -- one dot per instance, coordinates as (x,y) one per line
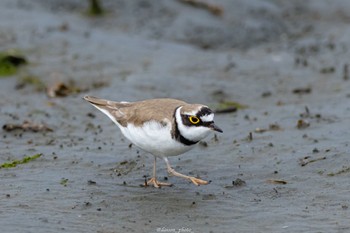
(194,120)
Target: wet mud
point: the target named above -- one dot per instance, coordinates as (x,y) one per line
(277,74)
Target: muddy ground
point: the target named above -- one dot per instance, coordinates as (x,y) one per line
(286,62)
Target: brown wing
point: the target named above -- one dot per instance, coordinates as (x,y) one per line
(153,109)
(140,112)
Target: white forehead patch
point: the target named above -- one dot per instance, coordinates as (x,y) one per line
(208,118)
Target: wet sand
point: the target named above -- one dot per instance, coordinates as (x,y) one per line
(285,62)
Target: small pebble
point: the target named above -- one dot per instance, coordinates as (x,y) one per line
(87,203)
(91,182)
(238,182)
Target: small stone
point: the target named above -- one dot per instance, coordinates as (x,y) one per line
(315,150)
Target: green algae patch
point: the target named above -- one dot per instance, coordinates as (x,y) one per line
(231,104)
(64,182)
(228,107)
(16,162)
(342,171)
(10,61)
(95,8)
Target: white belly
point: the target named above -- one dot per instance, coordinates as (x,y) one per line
(151,137)
(155,139)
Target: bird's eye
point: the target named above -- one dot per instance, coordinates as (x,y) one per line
(194,120)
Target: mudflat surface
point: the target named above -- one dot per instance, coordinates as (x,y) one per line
(286,62)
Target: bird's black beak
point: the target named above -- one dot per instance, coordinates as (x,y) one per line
(215,127)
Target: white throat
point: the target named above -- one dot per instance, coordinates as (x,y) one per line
(192,133)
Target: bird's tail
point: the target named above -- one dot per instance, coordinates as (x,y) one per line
(96,101)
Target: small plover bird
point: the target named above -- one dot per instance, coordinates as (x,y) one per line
(162,127)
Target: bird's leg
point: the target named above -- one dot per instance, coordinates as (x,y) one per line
(194,180)
(154,180)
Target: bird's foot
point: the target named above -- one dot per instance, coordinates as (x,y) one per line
(156,183)
(197,181)
(194,180)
